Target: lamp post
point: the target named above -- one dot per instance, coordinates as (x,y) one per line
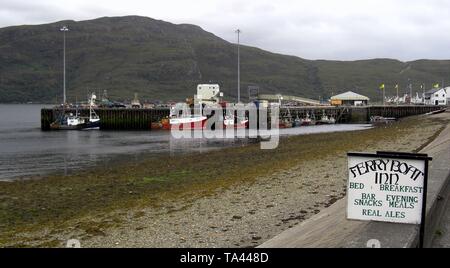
(64,29)
(239,67)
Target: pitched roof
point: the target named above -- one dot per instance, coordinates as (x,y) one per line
(434,90)
(350,95)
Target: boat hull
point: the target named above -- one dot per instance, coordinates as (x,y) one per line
(307,123)
(85,126)
(56,126)
(188,123)
(325,123)
(91,125)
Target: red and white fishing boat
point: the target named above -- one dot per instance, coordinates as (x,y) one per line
(188,122)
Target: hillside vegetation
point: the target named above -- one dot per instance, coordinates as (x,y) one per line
(164,61)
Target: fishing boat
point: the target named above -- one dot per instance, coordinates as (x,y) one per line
(75,121)
(326,120)
(181,119)
(381,119)
(93,122)
(188,122)
(307,121)
(68,122)
(286,121)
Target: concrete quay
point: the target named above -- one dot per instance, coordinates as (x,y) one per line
(330,228)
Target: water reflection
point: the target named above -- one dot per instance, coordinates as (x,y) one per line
(26,151)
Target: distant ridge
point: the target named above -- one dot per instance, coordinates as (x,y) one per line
(164,61)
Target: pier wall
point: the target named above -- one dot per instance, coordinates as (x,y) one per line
(358,114)
(113,119)
(141,119)
(400,111)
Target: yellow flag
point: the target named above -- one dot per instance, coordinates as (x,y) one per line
(436,86)
(382,86)
(396,86)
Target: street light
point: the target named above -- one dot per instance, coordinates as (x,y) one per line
(239,68)
(64,29)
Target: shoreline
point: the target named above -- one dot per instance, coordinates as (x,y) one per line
(225,210)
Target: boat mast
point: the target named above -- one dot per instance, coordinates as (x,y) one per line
(91,103)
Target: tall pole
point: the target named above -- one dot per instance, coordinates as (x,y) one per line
(410,93)
(239,68)
(396,87)
(64,29)
(423,93)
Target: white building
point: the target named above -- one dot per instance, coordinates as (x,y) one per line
(437,96)
(208,93)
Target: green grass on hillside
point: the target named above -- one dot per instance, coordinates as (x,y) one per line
(163,61)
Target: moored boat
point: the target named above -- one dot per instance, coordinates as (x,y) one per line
(307,121)
(297,122)
(68,122)
(77,122)
(326,120)
(381,119)
(188,122)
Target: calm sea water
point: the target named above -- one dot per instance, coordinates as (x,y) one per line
(26,151)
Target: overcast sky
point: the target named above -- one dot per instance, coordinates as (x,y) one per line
(314,29)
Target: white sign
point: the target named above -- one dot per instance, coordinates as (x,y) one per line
(387,189)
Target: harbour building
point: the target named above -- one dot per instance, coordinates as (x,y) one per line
(349,98)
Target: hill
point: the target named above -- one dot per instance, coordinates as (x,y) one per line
(164,61)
